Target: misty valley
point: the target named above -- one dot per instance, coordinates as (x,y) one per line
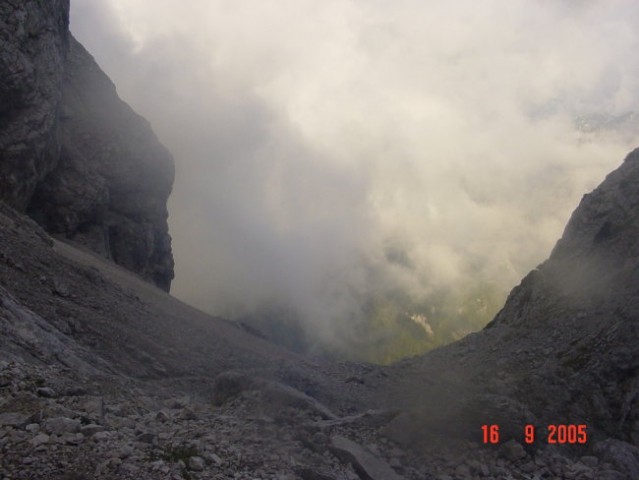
(319,240)
(389,327)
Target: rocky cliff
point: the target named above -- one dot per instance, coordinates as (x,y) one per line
(34,39)
(586,298)
(73,155)
(562,351)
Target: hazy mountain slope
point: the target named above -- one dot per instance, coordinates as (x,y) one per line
(103,375)
(563,350)
(118,323)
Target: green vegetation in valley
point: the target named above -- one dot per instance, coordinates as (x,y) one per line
(391,326)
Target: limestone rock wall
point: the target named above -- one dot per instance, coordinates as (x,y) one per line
(73,155)
(110,187)
(33,44)
(585,300)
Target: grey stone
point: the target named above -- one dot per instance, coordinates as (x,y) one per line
(73,438)
(177,403)
(46,392)
(612,475)
(12,419)
(229,385)
(163,416)
(589,461)
(512,451)
(39,440)
(196,464)
(60,287)
(462,472)
(159,465)
(126,451)
(405,429)
(147,437)
(128,468)
(32,428)
(101,436)
(364,463)
(91,429)
(76,391)
(61,425)
(187,414)
(624,456)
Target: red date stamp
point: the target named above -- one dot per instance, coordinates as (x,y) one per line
(554,434)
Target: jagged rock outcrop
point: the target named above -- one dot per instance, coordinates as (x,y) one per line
(595,263)
(588,290)
(110,187)
(563,350)
(73,155)
(33,43)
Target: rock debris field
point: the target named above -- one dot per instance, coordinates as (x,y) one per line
(57,425)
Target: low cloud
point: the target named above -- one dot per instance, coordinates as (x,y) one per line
(329,151)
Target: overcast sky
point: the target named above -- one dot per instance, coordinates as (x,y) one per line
(329,148)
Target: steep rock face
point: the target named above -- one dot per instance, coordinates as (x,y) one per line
(110,188)
(586,295)
(73,155)
(33,45)
(564,350)
(595,264)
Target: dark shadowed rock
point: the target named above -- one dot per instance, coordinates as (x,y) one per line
(563,350)
(229,385)
(72,154)
(621,454)
(33,45)
(60,425)
(367,466)
(110,187)
(587,294)
(12,419)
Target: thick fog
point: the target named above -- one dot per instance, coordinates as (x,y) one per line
(327,151)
